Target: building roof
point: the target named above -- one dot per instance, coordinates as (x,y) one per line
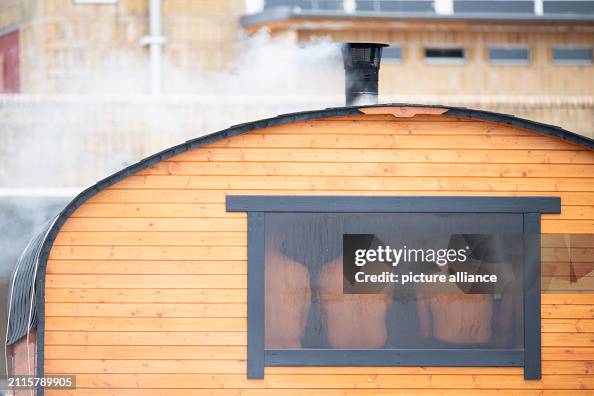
(468,10)
(27,309)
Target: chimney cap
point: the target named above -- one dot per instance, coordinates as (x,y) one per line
(357,44)
(361,65)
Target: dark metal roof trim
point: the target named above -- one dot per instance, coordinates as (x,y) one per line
(539,127)
(41,245)
(384,204)
(287,13)
(23,316)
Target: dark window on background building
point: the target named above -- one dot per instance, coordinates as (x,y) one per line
(393,54)
(494,6)
(395,5)
(445,55)
(95,1)
(568,7)
(9,63)
(509,55)
(306,4)
(572,55)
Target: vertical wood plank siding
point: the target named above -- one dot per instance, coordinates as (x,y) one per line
(146,285)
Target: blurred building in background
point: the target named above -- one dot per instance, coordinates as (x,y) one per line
(443,47)
(82,69)
(470,47)
(58,41)
(533,58)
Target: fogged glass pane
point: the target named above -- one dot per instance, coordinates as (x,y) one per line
(303,4)
(567,263)
(314,300)
(306,4)
(367,5)
(494,6)
(505,55)
(580,7)
(406,5)
(330,5)
(572,56)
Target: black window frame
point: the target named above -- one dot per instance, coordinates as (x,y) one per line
(316,5)
(558,50)
(514,7)
(431,59)
(510,60)
(259,357)
(400,6)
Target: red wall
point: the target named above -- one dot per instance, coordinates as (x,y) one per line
(9,63)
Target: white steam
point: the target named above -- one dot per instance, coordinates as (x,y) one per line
(53,145)
(105,122)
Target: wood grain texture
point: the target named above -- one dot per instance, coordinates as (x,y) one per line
(369,141)
(238,367)
(148,267)
(387,126)
(124,352)
(369,169)
(146,286)
(156,338)
(148,252)
(567,299)
(227,338)
(206,238)
(383,183)
(322,381)
(155,295)
(573,155)
(149,310)
(218,196)
(311,392)
(130,324)
(147,281)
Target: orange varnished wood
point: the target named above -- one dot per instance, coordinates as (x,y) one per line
(146,285)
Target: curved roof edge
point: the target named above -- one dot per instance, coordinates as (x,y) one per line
(22,315)
(37,252)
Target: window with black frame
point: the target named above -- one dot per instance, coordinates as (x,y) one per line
(394,281)
(308,304)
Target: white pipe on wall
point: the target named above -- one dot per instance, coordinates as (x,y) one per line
(538,7)
(155,40)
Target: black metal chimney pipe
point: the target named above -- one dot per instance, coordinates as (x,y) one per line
(361,69)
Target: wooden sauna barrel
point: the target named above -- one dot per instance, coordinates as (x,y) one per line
(142,281)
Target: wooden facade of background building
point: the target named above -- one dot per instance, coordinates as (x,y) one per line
(475,75)
(65,43)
